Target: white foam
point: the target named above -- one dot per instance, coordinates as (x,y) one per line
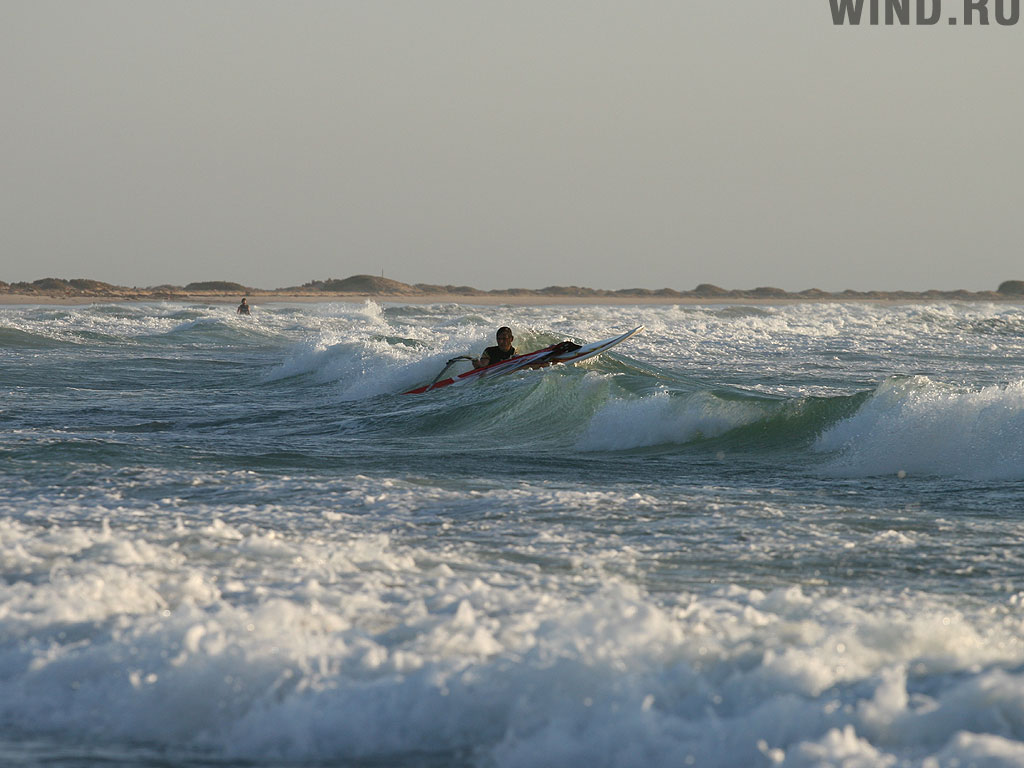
(918,426)
(353,352)
(838,747)
(342,642)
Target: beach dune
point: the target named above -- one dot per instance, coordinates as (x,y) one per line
(361,287)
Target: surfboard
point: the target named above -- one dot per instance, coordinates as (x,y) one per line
(563,352)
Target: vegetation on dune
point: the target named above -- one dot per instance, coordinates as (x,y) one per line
(371,285)
(82,284)
(1012,287)
(221,286)
(360,284)
(707,289)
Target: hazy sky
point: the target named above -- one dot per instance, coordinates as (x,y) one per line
(500,144)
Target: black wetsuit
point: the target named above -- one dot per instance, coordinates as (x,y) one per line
(495,355)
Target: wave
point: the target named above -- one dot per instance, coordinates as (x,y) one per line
(359,368)
(92,326)
(717,418)
(214,330)
(919,426)
(113,325)
(16,338)
(801,378)
(381,359)
(906,426)
(664,419)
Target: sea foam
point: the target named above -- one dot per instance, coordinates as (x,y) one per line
(919,426)
(256,642)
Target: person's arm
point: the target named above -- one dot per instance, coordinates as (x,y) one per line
(482,362)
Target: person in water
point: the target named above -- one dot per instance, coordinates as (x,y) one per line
(243,308)
(503,351)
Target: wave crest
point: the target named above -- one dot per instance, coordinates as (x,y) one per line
(662,419)
(918,426)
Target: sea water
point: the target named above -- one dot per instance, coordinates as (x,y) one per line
(750,536)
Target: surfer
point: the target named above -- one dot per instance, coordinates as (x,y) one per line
(503,351)
(243,308)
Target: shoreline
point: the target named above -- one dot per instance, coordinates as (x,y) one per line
(361,288)
(256,299)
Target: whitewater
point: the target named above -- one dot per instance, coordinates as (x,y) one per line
(771,535)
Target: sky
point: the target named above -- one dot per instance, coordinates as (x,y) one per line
(508,144)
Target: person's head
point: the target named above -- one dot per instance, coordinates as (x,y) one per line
(504,337)
(243,299)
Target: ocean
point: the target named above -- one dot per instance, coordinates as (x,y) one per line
(772,535)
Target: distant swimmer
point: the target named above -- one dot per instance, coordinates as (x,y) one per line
(497,354)
(243,308)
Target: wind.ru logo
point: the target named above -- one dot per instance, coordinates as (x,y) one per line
(923,12)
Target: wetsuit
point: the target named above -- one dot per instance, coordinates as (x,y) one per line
(495,355)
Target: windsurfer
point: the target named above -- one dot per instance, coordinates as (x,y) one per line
(503,351)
